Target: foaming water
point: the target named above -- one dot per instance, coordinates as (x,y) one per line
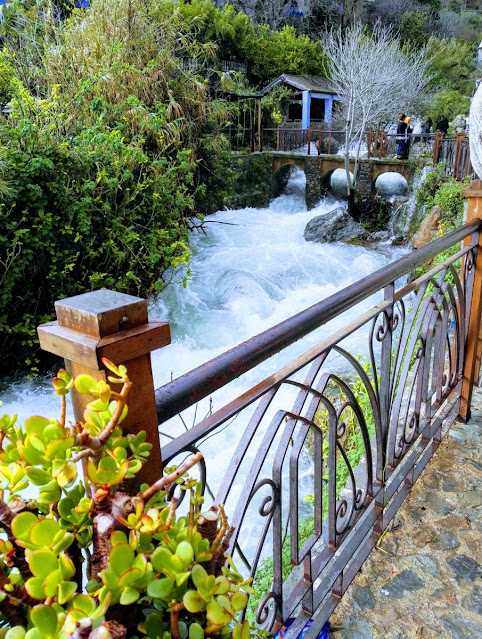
(251,270)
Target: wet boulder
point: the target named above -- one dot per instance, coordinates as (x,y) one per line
(391,183)
(335,226)
(428,228)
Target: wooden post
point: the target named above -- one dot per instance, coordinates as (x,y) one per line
(260,131)
(458,152)
(436,147)
(320,135)
(473,342)
(113,325)
(380,153)
(309,140)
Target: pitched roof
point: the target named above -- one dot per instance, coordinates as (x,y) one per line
(315,84)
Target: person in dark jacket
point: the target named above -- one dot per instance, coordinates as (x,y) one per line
(442,125)
(401,135)
(426,128)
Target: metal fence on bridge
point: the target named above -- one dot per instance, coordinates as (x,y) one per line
(377,143)
(326,448)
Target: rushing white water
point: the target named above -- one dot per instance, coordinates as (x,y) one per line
(251,270)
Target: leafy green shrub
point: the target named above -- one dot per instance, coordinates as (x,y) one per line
(431,183)
(449,196)
(101,161)
(151,573)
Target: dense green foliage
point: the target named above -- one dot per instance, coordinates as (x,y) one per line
(267,53)
(102,159)
(439,189)
(453,72)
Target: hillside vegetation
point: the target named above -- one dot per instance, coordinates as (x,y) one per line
(112,137)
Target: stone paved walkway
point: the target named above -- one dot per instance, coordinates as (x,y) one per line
(424,580)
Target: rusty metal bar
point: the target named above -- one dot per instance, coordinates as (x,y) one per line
(320,135)
(204,380)
(369,144)
(309,139)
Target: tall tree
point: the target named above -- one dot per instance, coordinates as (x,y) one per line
(375,79)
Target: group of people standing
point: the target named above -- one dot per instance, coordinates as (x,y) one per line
(405,129)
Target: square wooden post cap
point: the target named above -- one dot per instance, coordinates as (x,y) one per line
(100,324)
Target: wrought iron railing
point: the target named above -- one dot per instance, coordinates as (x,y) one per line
(329,446)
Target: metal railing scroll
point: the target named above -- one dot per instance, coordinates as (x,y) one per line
(330,445)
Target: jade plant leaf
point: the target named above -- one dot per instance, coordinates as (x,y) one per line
(85,384)
(22,524)
(129,596)
(196,631)
(44,618)
(43,533)
(239,601)
(42,563)
(38,476)
(66,591)
(120,557)
(216,614)
(199,576)
(35,425)
(193,601)
(160,588)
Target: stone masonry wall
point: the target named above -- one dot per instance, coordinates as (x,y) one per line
(313,181)
(251,181)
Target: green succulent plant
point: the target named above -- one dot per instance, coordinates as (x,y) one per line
(150,572)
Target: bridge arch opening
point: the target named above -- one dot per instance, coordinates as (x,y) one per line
(334,183)
(288,179)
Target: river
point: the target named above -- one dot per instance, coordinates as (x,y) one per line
(251,269)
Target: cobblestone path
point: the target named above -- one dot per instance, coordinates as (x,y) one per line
(424,579)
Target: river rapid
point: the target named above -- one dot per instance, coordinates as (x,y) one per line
(251,269)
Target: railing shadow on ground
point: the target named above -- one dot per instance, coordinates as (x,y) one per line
(327,447)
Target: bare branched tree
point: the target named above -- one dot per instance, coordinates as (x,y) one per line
(374,80)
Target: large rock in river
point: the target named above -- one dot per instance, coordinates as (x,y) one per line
(428,228)
(335,226)
(391,183)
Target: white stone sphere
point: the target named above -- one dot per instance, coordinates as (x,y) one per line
(338,184)
(391,183)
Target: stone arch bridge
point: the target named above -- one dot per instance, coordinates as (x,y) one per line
(319,168)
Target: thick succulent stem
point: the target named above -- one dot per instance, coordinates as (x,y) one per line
(84,627)
(175,610)
(167,480)
(109,630)
(95,444)
(12,613)
(15,591)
